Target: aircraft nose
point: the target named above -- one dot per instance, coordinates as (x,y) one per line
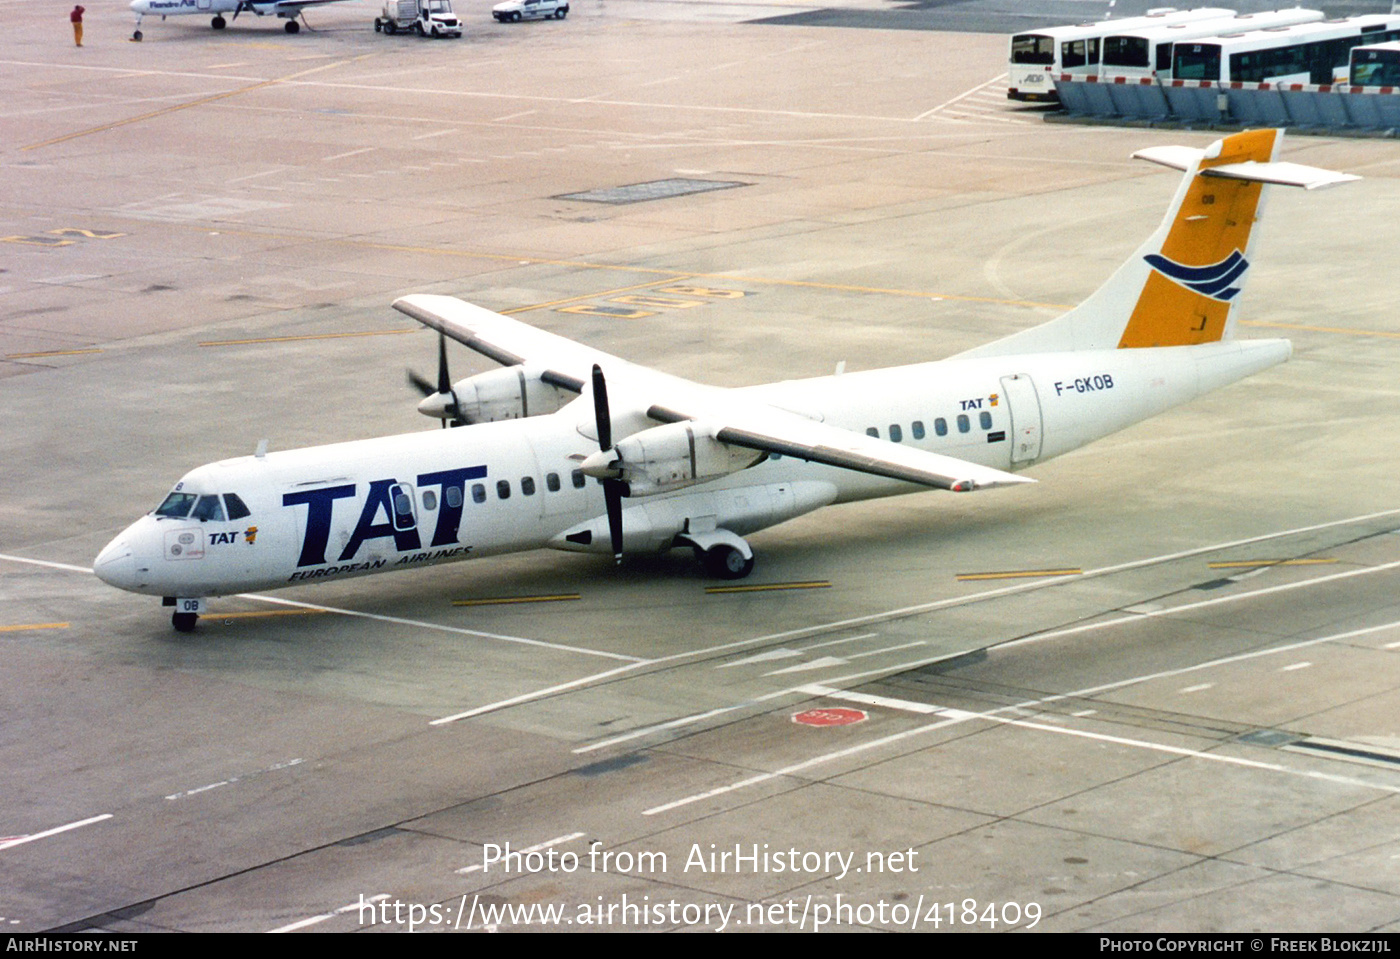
(139,6)
(116,564)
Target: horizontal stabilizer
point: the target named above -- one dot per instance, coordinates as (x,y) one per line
(1178,158)
(1280,173)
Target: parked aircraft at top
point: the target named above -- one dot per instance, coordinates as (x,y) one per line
(288,10)
(571,448)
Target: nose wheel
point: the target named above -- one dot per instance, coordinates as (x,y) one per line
(186,613)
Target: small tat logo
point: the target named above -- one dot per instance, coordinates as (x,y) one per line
(1214,281)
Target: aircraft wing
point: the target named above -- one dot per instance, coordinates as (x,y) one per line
(773,430)
(291,6)
(509,342)
(669,399)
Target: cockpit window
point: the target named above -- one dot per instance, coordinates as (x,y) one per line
(177,505)
(236,509)
(208,508)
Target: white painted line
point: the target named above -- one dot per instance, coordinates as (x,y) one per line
(537,694)
(648,730)
(886,649)
(782,652)
(348,153)
(868,699)
(961,96)
(20,841)
(838,642)
(428,136)
(303,923)
(826,662)
(423,624)
(1291,668)
(40,562)
(539,847)
(1197,688)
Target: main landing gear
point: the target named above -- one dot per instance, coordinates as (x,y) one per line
(721,553)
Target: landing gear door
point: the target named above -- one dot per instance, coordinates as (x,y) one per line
(1024,405)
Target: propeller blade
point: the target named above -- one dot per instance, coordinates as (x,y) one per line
(600,409)
(612,496)
(420,384)
(612,488)
(444,383)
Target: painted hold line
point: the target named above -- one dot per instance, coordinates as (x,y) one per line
(28,626)
(36,356)
(767,587)
(1018,574)
(505,600)
(1251,563)
(10,843)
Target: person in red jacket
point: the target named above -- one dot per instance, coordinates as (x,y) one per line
(77,17)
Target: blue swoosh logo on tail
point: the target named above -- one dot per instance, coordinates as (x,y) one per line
(1212,281)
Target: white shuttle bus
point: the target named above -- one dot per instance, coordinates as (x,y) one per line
(1041,55)
(1146,53)
(1375,66)
(1307,53)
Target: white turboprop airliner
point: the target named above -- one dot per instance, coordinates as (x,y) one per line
(571,448)
(288,10)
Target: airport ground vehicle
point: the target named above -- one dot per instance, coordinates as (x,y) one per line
(1377,65)
(1305,53)
(513,11)
(427,18)
(1147,52)
(1040,55)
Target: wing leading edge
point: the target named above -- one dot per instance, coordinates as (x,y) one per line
(667,399)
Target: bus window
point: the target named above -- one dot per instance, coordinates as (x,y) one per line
(1079,53)
(1032,48)
(1196,61)
(1125,51)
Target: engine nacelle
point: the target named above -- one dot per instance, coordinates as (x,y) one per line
(509,393)
(669,457)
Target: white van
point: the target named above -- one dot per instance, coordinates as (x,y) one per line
(513,11)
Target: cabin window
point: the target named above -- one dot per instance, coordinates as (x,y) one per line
(236,509)
(478,492)
(177,505)
(940,426)
(208,509)
(896,433)
(578,478)
(918,429)
(551,482)
(985,419)
(429,500)
(872,431)
(452,495)
(527,485)
(503,489)
(964,424)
